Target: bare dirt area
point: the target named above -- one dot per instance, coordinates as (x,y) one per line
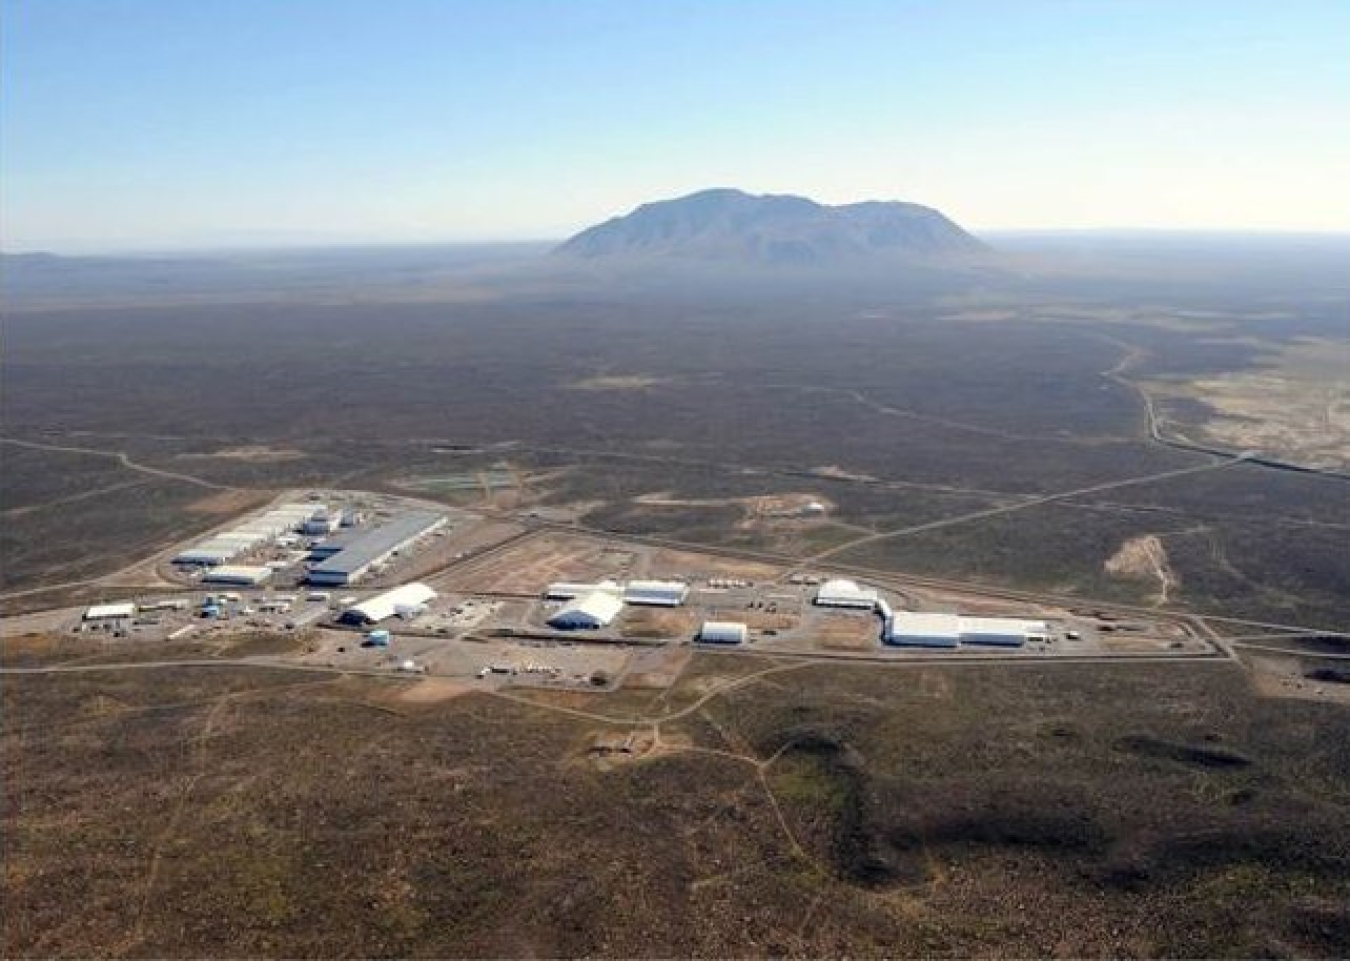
(434,690)
(1296,407)
(617,382)
(665,562)
(658,622)
(251,454)
(465,539)
(1144,558)
(229,502)
(528,567)
(845,632)
(657,669)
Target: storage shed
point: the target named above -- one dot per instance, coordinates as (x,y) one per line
(723,632)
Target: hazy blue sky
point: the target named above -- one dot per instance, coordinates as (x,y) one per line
(179,122)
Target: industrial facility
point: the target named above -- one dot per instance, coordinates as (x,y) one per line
(410,599)
(924,629)
(266,528)
(364,550)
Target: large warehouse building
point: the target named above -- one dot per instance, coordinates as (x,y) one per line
(400,601)
(374,547)
(845,593)
(1001,631)
(927,629)
(922,629)
(597,609)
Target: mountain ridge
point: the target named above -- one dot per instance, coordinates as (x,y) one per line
(725,224)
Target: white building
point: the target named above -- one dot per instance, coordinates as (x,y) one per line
(723,632)
(656,593)
(597,609)
(1001,631)
(568,590)
(246,576)
(845,593)
(109,612)
(381,607)
(923,629)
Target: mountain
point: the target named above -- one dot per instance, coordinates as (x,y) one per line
(734,227)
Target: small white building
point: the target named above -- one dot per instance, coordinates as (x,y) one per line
(381,607)
(923,629)
(245,576)
(110,612)
(839,592)
(597,609)
(723,632)
(656,593)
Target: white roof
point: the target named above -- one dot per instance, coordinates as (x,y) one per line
(661,592)
(384,606)
(601,607)
(723,630)
(924,624)
(99,611)
(566,590)
(842,591)
(1002,625)
(248,575)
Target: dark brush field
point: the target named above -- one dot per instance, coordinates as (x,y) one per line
(817,812)
(934,404)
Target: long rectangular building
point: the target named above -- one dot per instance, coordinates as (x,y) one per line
(351,563)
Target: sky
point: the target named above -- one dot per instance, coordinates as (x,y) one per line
(159,124)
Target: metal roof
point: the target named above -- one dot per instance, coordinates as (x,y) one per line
(924,626)
(381,607)
(733,631)
(101,611)
(998,626)
(598,606)
(376,544)
(840,591)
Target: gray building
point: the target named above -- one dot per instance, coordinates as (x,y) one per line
(373,547)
